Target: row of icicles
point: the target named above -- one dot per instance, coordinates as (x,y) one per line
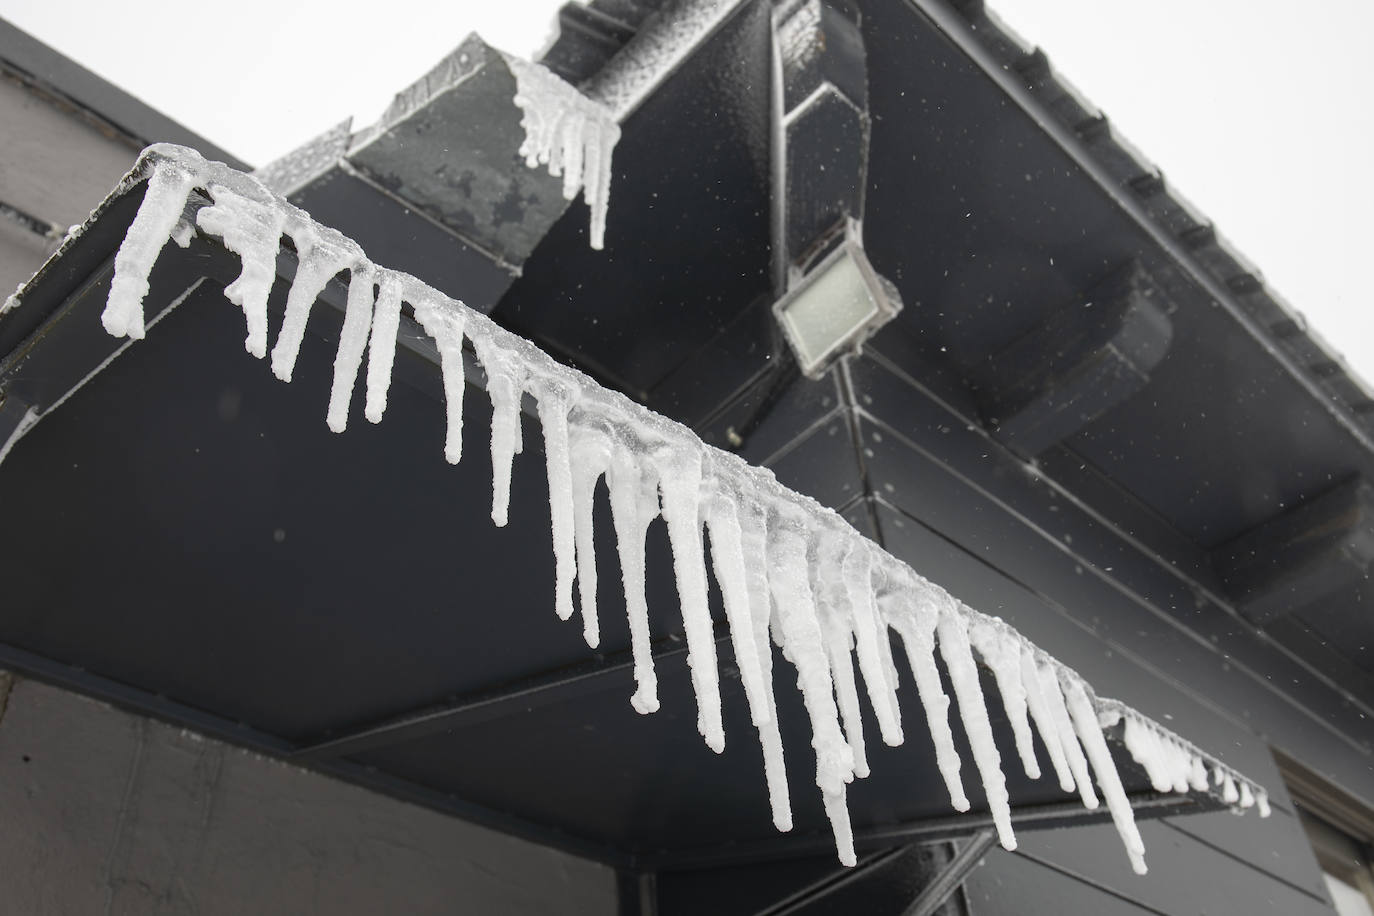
(789,570)
(569,133)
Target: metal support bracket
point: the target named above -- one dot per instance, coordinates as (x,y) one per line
(969,857)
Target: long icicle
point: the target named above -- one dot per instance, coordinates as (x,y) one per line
(753,540)
(834,613)
(321,254)
(727,557)
(251,229)
(163,200)
(446,327)
(634,506)
(554,402)
(1065,733)
(1001,651)
(868,634)
(963,675)
(836,636)
(505,387)
(591,458)
(796,614)
(679,480)
(1045,723)
(352,342)
(1100,756)
(917,631)
(381,347)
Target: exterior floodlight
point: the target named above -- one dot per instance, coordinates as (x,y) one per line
(835,308)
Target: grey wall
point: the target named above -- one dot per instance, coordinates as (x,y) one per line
(55,165)
(107,812)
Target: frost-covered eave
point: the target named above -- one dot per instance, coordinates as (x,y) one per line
(789,569)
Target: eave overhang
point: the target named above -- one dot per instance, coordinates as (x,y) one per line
(343,609)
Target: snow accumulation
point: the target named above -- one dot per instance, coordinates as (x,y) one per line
(570,133)
(787,567)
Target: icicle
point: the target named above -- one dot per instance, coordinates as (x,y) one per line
(163,201)
(572,150)
(600,180)
(505,387)
(833,613)
(917,631)
(554,402)
(322,253)
(1095,746)
(874,663)
(1044,719)
(1001,649)
(1262,802)
(251,229)
(1159,755)
(446,326)
(352,342)
(1065,734)
(1229,794)
(837,639)
(1144,748)
(591,458)
(753,540)
(571,134)
(1197,774)
(796,614)
(963,675)
(381,348)
(679,481)
(727,557)
(1181,767)
(634,505)
(1247,797)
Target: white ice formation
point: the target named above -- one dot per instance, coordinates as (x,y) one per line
(571,134)
(786,566)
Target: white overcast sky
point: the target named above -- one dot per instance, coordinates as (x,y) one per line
(1258,111)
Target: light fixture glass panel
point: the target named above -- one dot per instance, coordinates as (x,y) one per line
(837,306)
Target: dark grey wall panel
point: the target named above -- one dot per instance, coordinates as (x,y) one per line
(108,812)
(1279,847)
(1011,885)
(1185,876)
